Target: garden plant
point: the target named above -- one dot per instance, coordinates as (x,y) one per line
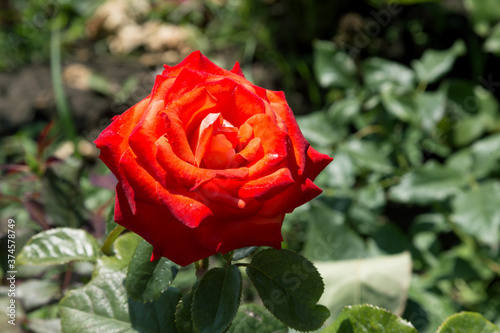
(250,166)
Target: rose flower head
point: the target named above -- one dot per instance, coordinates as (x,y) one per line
(208,163)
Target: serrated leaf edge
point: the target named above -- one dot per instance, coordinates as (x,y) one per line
(462,313)
(403,321)
(144,301)
(193,289)
(316,305)
(239,298)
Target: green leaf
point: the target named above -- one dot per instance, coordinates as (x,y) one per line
(371,196)
(61,184)
(466,322)
(157,316)
(390,239)
(468,99)
(428,183)
(435,64)
(484,14)
(216,299)
(400,106)
(103,306)
(486,155)
(183,318)
(473,114)
(368,318)
(332,67)
(146,279)
(341,174)
(468,129)
(59,246)
(461,160)
(366,154)
(329,237)
(382,281)
(430,107)
(342,111)
(36,325)
(477,212)
(125,246)
(317,129)
(110,220)
(243,252)
(289,286)
(492,43)
(100,306)
(422,305)
(252,318)
(35,293)
(381,75)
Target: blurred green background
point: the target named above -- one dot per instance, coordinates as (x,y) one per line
(403,94)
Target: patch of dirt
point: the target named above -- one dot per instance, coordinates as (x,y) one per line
(91,91)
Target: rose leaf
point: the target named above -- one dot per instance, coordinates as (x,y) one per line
(146,279)
(59,246)
(368,318)
(216,299)
(467,322)
(289,286)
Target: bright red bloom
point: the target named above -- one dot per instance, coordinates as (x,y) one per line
(208,163)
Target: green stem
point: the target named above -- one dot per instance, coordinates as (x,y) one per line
(368,130)
(228,257)
(62,105)
(201,268)
(107,247)
(422,86)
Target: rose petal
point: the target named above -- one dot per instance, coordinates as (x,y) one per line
(268,186)
(176,115)
(219,153)
(213,193)
(190,211)
(245,134)
(162,85)
(237,69)
(169,237)
(316,162)
(176,135)
(224,210)
(198,62)
(230,132)
(235,102)
(247,103)
(274,143)
(113,140)
(252,150)
(299,143)
(187,174)
(142,139)
(294,196)
(140,186)
(227,235)
(201,139)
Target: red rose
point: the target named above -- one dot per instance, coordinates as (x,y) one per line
(208,163)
